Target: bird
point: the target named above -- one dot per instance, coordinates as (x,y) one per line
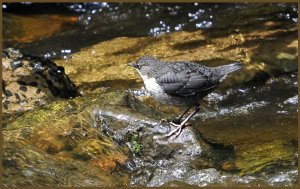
(181,83)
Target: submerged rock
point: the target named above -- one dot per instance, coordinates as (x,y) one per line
(25,165)
(276,153)
(62,132)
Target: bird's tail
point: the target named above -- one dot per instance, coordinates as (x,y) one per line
(229,68)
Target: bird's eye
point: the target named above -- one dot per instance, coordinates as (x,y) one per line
(138,66)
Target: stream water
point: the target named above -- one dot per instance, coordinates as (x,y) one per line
(74,26)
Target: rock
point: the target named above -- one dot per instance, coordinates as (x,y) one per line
(25,165)
(187,175)
(254,160)
(99,132)
(112,133)
(30,81)
(100,153)
(292,100)
(62,133)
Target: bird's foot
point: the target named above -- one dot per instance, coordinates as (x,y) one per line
(177,131)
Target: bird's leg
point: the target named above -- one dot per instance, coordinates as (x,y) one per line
(182,124)
(177,120)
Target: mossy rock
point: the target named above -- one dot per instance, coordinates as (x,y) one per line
(256,159)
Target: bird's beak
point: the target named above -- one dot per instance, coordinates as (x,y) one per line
(132,64)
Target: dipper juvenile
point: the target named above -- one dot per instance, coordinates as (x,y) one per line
(181,83)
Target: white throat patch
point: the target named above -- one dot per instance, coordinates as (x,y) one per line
(151,85)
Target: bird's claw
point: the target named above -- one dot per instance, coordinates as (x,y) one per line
(177,131)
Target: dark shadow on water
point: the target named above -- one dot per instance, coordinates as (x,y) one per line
(137,47)
(190,44)
(268,40)
(111,84)
(222,152)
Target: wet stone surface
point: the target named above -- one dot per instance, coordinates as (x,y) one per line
(106,133)
(26,165)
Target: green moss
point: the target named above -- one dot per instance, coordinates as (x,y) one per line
(283,55)
(55,111)
(255,159)
(135,143)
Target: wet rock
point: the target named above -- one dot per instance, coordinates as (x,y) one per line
(157,157)
(30,81)
(111,133)
(100,154)
(64,136)
(256,159)
(283,178)
(25,165)
(99,132)
(185,174)
(292,100)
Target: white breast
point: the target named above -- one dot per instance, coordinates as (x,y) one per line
(157,92)
(151,85)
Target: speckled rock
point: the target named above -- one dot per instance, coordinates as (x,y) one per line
(30,81)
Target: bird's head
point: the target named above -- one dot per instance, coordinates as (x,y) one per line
(144,65)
